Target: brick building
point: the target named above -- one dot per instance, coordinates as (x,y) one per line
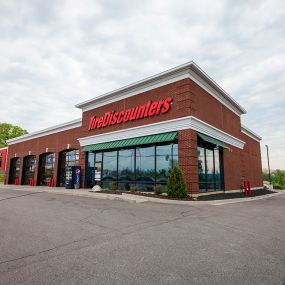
(3,159)
(136,134)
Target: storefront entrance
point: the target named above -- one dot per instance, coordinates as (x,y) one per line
(28,169)
(14,170)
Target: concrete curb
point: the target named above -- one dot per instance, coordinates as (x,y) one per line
(213,202)
(133,198)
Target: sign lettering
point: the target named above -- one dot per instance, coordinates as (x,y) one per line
(143,111)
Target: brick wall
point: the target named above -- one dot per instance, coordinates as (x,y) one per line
(3,153)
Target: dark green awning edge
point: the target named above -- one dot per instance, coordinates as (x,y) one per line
(212,140)
(151,139)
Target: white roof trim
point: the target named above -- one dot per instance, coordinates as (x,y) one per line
(184,123)
(3,148)
(188,70)
(250,133)
(48,131)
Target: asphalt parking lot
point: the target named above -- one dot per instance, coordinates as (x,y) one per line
(57,239)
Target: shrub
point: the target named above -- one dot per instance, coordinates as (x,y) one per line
(176,185)
(278,186)
(134,189)
(2,177)
(158,189)
(127,186)
(113,185)
(278,179)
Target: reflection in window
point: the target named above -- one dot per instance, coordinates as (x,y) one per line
(145,168)
(109,168)
(174,154)
(90,169)
(29,168)
(47,168)
(67,158)
(126,169)
(201,169)
(14,170)
(217,169)
(166,159)
(209,167)
(210,170)
(142,167)
(72,158)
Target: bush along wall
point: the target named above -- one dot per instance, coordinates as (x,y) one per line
(176,185)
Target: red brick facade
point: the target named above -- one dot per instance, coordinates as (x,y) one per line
(189,99)
(3,155)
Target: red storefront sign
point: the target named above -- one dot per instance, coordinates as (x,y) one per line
(143,111)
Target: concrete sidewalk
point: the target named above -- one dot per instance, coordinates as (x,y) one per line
(131,198)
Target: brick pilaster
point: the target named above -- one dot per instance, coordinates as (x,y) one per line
(188,158)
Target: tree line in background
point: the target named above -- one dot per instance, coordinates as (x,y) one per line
(9,131)
(277,178)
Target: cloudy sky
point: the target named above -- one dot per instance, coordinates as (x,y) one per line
(54,54)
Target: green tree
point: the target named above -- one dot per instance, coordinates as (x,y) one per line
(265,175)
(278,178)
(176,185)
(8,131)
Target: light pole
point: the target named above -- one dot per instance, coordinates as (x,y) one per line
(268,163)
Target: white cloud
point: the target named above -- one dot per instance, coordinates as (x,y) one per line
(55,54)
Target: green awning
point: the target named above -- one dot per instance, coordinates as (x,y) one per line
(212,140)
(165,137)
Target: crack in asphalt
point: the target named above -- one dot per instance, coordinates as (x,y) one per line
(19,196)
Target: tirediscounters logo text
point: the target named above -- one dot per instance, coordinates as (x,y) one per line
(143,111)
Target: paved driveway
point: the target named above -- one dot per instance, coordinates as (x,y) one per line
(56,239)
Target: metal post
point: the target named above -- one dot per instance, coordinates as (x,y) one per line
(268,164)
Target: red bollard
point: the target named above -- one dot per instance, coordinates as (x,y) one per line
(51,182)
(16,181)
(248,187)
(5,181)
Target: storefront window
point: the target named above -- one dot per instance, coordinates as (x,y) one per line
(29,168)
(72,158)
(90,169)
(47,168)
(109,168)
(202,169)
(174,154)
(209,167)
(164,162)
(218,179)
(14,170)
(145,168)
(67,158)
(98,167)
(210,172)
(126,169)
